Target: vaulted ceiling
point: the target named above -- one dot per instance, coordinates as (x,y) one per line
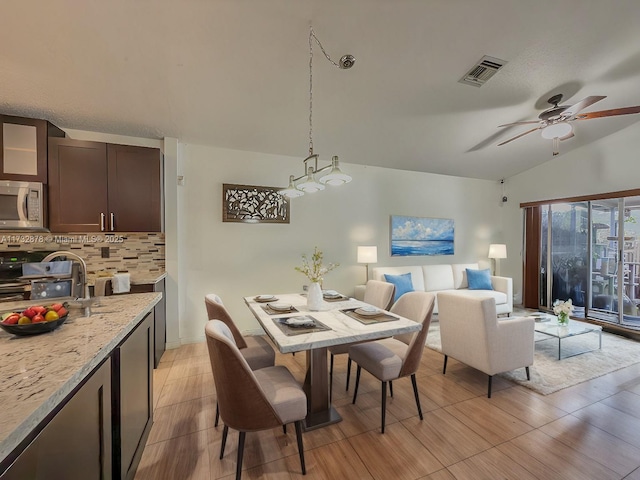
(235,74)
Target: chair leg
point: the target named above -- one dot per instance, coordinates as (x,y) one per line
(348,373)
(331,378)
(300,447)
(391,388)
(225,431)
(384,403)
(489,392)
(444,368)
(240,455)
(415,393)
(355,390)
(215,424)
(528,375)
(284,428)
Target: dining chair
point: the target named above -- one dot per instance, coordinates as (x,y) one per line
(376,293)
(252,400)
(393,358)
(471,332)
(255,350)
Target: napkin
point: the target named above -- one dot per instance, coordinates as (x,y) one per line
(100,287)
(121,283)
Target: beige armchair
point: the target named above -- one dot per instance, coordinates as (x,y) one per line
(252,400)
(471,333)
(376,293)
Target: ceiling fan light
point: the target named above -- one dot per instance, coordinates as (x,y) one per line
(335,177)
(556,130)
(291,191)
(310,185)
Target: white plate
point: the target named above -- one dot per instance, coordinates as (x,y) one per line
(265,298)
(368,311)
(280,307)
(299,322)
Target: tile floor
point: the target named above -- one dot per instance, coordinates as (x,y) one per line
(589,431)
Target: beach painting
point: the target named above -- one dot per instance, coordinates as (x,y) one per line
(421,236)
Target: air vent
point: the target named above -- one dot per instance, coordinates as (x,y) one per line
(482,71)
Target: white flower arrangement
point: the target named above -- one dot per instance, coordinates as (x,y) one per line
(315,270)
(560,307)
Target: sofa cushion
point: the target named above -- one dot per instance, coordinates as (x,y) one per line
(417,278)
(437,277)
(499,297)
(402,282)
(460,274)
(479,279)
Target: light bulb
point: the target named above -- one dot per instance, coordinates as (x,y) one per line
(556,130)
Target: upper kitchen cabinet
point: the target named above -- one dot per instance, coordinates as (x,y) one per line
(98,187)
(23,148)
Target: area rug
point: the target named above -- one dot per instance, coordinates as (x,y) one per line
(548,374)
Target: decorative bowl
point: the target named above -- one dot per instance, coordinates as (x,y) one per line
(34,328)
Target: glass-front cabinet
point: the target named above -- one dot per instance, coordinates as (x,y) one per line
(590,253)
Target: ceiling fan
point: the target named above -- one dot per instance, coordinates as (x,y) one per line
(555,121)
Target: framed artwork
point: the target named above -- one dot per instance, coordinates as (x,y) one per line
(421,236)
(253,204)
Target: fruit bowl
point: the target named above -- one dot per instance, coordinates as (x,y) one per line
(35,319)
(34,328)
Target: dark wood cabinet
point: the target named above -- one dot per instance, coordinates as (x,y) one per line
(76,443)
(23,148)
(98,187)
(160,317)
(132,406)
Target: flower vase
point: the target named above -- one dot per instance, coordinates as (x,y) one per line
(314,297)
(563,319)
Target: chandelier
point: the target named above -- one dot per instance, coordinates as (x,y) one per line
(307,182)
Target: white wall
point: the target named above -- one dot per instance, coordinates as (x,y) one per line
(236,260)
(609,165)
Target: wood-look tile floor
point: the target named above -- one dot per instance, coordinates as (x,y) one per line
(589,431)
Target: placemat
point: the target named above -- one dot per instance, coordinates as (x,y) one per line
(271,311)
(291,331)
(368,320)
(341,298)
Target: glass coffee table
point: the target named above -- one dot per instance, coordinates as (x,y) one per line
(548,325)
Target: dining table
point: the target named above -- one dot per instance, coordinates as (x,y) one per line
(340,320)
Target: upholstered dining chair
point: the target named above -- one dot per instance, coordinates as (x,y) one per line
(255,350)
(393,358)
(252,400)
(376,293)
(471,333)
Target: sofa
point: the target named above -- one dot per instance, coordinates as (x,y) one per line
(452,278)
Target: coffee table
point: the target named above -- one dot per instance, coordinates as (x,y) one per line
(548,325)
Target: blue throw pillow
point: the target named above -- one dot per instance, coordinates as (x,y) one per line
(479,279)
(402,282)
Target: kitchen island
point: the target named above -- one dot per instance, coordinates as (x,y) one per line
(98,364)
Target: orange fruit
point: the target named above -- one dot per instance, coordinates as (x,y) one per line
(51,315)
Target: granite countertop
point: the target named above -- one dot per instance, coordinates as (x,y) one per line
(37,372)
(137,278)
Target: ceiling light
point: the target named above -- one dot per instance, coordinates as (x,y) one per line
(335,176)
(556,130)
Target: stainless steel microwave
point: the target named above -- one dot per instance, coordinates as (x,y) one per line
(21,205)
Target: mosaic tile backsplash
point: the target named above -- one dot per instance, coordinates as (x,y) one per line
(141,254)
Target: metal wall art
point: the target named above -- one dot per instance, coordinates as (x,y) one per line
(253,204)
(421,236)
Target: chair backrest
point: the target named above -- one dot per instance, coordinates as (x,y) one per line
(216,311)
(379,294)
(467,328)
(242,402)
(416,306)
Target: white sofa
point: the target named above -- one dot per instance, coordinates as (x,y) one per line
(452,278)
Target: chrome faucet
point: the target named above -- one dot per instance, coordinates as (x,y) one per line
(84,288)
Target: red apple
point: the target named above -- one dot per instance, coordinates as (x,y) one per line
(29,312)
(37,319)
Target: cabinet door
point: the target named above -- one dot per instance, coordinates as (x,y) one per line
(23,149)
(134,189)
(77,186)
(76,443)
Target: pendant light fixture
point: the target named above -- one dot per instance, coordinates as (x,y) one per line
(309,182)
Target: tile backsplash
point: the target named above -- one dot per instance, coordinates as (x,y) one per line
(139,253)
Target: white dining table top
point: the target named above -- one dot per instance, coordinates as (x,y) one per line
(344,329)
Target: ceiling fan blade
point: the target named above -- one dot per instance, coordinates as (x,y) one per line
(567,136)
(608,113)
(521,135)
(581,105)
(530,122)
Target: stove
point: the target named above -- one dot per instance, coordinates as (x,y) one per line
(12,286)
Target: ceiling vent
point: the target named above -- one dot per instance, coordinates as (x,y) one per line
(482,71)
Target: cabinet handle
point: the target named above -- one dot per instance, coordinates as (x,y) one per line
(101,222)
(112,220)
